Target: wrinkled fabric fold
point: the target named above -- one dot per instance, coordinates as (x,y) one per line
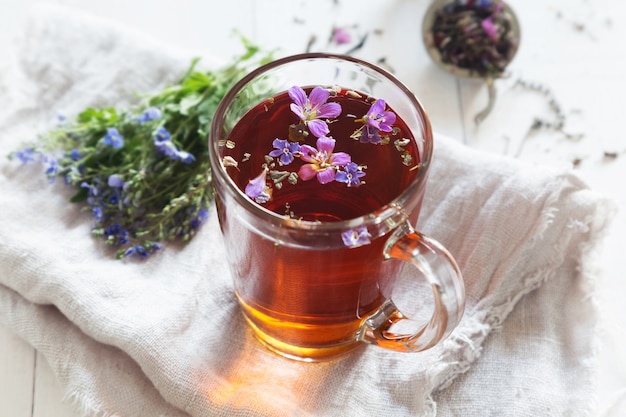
(169,329)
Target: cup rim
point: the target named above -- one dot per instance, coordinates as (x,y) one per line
(389,210)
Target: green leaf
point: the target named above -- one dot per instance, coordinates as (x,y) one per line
(189,102)
(81,195)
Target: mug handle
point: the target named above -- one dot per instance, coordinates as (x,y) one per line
(440,269)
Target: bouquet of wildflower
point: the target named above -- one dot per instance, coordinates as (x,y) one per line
(143,173)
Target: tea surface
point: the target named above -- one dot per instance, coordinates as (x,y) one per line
(389,166)
(310,302)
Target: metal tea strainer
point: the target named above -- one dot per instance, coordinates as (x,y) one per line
(472,39)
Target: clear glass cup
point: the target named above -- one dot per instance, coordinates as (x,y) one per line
(306,293)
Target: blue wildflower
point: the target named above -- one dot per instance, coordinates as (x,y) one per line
(149,114)
(73,175)
(351,175)
(137,250)
(164,146)
(97,213)
(113,138)
(285,150)
(115,181)
(53,169)
(185,157)
(75,155)
(116,234)
(93,189)
(26,155)
(200,217)
(162,134)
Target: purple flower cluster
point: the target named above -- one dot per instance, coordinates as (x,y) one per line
(377,120)
(321,162)
(313,109)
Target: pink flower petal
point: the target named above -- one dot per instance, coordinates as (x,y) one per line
(325,144)
(256,185)
(298,95)
(377,108)
(318,96)
(297,111)
(308,153)
(307,171)
(341,36)
(489,28)
(329,110)
(318,128)
(326,175)
(340,159)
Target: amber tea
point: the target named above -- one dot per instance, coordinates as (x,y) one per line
(318,154)
(318,186)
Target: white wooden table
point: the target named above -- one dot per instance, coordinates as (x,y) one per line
(575,47)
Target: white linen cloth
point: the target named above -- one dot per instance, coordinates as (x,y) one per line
(165,338)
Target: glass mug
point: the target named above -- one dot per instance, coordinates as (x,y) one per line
(316,206)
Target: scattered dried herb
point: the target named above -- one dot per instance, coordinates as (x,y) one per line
(557,122)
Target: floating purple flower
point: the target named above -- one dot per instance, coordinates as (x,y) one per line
(113,138)
(322,162)
(351,175)
(313,108)
(378,118)
(257,188)
(285,149)
(149,114)
(356,237)
(370,135)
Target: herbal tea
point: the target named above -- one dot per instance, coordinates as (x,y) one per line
(317,155)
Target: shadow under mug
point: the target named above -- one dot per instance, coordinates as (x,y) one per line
(306,295)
